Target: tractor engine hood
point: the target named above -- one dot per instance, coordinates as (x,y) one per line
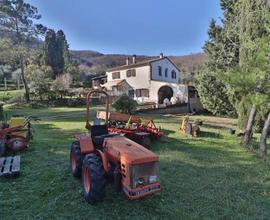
(125,150)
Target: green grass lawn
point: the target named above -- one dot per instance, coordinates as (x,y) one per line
(210,177)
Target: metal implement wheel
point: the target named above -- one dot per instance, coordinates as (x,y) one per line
(17,144)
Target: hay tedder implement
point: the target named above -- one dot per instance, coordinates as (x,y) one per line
(132,127)
(15,135)
(100,156)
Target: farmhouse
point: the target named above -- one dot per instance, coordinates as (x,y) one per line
(152,81)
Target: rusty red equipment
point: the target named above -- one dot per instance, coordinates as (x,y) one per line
(132,127)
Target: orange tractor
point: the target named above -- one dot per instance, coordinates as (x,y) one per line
(99,156)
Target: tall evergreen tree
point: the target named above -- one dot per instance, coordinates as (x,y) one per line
(252,26)
(49,50)
(222,53)
(60,40)
(64,47)
(55,52)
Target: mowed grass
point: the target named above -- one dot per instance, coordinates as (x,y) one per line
(210,177)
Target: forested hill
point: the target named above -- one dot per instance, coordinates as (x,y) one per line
(96,62)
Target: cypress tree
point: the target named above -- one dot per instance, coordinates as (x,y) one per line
(55,52)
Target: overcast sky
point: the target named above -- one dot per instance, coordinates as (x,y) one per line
(176,27)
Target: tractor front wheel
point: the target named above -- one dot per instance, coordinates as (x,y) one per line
(93,179)
(76,159)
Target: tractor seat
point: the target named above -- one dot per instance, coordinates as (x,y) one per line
(98,133)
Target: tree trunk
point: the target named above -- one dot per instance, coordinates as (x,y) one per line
(27,94)
(264,135)
(251,119)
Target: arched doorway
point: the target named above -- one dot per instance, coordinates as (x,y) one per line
(163,93)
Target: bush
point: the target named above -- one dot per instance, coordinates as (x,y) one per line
(125,105)
(61,84)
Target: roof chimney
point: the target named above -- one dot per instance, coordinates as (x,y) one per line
(127,61)
(161,56)
(134,59)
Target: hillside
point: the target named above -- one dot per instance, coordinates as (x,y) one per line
(96,62)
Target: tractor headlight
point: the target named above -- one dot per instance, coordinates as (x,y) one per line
(143,174)
(138,182)
(153,179)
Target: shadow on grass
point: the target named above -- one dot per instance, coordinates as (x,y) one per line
(210,134)
(218,127)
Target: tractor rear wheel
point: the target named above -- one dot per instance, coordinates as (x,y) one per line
(93,179)
(76,159)
(2,148)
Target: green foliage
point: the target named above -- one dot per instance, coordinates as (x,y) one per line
(55,53)
(61,84)
(222,54)
(52,55)
(236,73)
(249,80)
(39,80)
(214,94)
(5,72)
(17,17)
(125,104)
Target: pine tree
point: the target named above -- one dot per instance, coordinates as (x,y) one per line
(17,17)
(222,54)
(251,76)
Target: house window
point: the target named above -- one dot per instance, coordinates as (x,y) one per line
(131,93)
(142,92)
(159,70)
(166,72)
(131,73)
(116,75)
(173,74)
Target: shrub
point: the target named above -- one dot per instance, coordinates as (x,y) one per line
(125,104)
(61,84)
(39,80)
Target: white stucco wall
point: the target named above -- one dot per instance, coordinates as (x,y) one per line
(179,91)
(141,81)
(165,63)
(147,77)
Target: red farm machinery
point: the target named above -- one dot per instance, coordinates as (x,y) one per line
(100,155)
(132,126)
